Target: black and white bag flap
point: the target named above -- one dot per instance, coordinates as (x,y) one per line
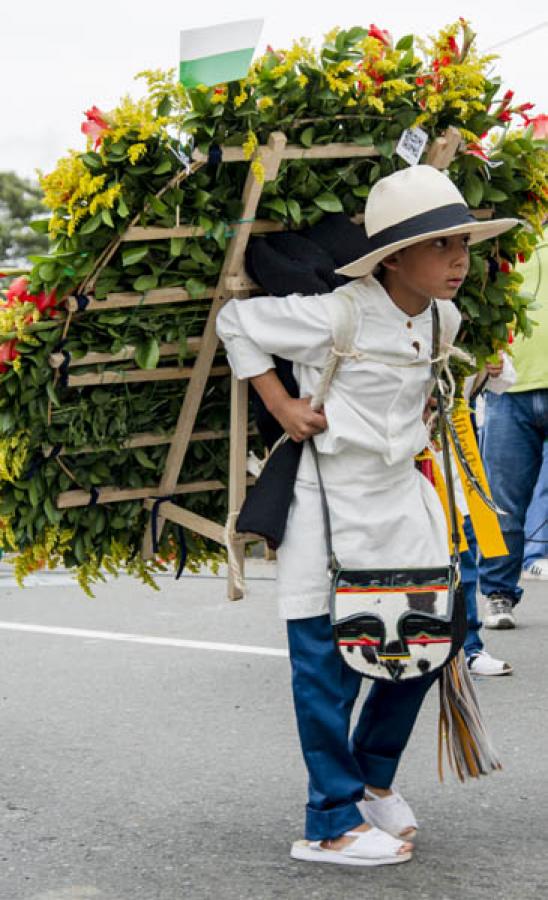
(394,624)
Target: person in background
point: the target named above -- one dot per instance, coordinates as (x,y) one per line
(535,557)
(497,377)
(514,434)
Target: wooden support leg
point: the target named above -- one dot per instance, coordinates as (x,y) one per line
(238,474)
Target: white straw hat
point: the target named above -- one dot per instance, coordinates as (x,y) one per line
(414,205)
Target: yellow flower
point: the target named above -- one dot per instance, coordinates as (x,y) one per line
(303,80)
(265,103)
(250,145)
(220,96)
(257,168)
(240,99)
(351,102)
(135,152)
(376,103)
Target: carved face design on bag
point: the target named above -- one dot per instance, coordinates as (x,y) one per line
(393,625)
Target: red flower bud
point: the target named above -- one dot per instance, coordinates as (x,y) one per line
(521,257)
(508,96)
(505,267)
(383,36)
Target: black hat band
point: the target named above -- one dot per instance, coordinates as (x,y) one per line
(444,217)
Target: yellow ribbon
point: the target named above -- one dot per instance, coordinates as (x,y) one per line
(485,522)
(441,490)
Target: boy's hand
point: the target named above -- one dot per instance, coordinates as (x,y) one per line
(495,365)
(298,419)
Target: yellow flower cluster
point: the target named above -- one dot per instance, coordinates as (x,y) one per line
(265,103)
(15,319)
(41,553)
(136,152)
(59,185)
(13,455)
(395,87)
(250,145)
(135,117)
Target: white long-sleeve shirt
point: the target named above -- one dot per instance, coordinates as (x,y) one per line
(383,511)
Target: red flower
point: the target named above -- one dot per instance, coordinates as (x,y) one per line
(504,116)
(18,291)
(507,97)
(540,127)
(383,36)
(476,150)
(453,46)
(521,257)
(7,354)
(505,267)
(95,126)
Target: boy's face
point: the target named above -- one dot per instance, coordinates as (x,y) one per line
(433,268)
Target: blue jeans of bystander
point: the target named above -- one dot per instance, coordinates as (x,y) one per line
(515,428)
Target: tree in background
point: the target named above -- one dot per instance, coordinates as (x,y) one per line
(20,204)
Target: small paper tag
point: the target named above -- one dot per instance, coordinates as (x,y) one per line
(411,145)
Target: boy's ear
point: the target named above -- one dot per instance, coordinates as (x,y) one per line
(392,262)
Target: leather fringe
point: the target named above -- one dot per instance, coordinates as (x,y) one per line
(461,728)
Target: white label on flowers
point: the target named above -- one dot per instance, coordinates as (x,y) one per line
(411,145)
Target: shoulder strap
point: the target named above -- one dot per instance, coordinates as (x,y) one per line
(343,317)
(442,418)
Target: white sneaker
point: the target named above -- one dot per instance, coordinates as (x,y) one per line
(538,571)
(482,663)
(499,612)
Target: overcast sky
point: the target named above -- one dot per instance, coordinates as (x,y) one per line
(60,57)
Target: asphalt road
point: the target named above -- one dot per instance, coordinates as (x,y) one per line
(171,771)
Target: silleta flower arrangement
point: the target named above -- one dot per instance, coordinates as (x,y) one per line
(360,87)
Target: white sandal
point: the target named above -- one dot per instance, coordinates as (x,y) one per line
(391,814)
(371,848)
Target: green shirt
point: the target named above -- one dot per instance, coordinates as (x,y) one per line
(530,355)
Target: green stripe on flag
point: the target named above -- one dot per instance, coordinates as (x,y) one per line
(210,70)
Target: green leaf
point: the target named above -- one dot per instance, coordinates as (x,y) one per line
(147,354)
(162,168)
(145,283)
(329,203)
(473,190)
(107,218)
(133,255)
(307,136)
(494,194)
(405,43)
(364,140)
(92,224)
(40,226)
(385,148)
(294,211)
(92,161)
(199,256)
(176,246)
(123,210)
(53,515)
(164,106)
(195,288)
(52,393)
(143,460)
(47,271)
(362,190)
(277,204)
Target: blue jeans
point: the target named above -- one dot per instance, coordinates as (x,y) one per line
(469,576)
(325,690)
(536,524)
(515,428)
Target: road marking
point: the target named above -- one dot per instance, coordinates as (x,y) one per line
(141,639)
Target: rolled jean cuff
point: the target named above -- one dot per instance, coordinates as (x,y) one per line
(378,771)
(328,824)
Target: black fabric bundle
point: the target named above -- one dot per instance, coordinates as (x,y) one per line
(285,263)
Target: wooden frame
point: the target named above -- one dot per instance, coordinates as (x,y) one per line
(233,281)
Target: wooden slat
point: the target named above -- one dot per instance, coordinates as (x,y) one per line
(135,376)
(191,520)
(442,151)
(145,439)
(232,266)
(112,494)
(150,233)
(93,359)
(296,151)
